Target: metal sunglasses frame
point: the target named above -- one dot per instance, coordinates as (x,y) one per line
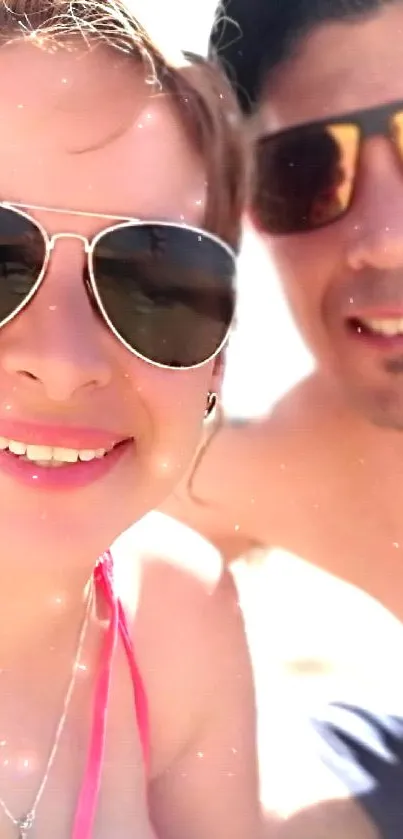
(89,245)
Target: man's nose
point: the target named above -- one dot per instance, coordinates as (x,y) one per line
(374,224)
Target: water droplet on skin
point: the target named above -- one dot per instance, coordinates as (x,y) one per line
(396,545)
(25,763)
(236,527)
(200,754)
(58,601)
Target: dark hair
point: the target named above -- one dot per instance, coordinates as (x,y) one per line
(250,38)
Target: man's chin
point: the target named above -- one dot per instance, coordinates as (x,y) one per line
(379,407)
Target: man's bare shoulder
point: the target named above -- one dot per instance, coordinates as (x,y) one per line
(240,483)
(238,450)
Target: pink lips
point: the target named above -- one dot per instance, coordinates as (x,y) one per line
(72,475)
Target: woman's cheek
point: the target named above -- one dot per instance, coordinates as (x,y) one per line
(175,406)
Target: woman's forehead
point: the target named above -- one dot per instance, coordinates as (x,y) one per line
(93,125)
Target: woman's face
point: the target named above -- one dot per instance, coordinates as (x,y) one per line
(80,130)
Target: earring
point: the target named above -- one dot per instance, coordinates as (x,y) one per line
(211,404)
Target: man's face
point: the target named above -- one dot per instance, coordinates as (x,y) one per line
(344,281)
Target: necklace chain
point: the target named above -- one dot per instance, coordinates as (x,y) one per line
(25,823)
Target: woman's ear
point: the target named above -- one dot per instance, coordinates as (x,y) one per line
(218,373)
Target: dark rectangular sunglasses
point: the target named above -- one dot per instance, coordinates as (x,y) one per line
(165,290)
(305,176)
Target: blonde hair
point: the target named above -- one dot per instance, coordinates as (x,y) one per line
(204,100)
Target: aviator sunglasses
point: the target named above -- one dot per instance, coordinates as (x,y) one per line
(305,176)
(165,290)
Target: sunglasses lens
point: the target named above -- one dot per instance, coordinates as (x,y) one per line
(167,291)
(304,177)
(22,256)
(397,132)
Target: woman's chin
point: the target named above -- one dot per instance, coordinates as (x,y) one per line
(75,527)
(46,538)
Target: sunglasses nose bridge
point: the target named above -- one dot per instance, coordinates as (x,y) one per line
(376,123)
(56,236)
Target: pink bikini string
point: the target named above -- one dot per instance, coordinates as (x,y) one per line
(88,797)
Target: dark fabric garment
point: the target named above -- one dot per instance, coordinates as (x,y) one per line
(364,749)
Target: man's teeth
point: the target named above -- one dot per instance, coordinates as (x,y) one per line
(384,326)
(50,455)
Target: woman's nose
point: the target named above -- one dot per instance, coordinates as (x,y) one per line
(58,341)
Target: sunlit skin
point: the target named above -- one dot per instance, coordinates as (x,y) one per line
(318,483)
(80,130)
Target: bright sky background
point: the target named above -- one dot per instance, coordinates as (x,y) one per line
(188,20)
(266,356)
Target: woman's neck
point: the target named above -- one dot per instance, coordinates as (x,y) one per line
(37,607)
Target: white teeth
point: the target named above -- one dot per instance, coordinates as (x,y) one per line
(17,448)
(50,455)
(87,454)
(384,326)
(66,455)
(42,453)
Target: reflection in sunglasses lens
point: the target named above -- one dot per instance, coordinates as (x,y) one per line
(304,177)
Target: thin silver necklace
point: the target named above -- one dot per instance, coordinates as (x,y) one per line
(25,823)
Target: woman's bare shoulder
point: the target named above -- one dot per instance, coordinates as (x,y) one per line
(187,629)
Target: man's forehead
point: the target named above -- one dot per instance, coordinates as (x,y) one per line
(337,68)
